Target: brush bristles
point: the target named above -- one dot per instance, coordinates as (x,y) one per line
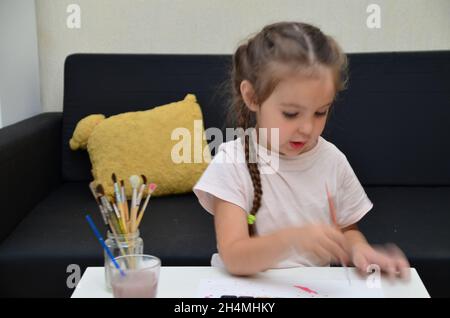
(109,209)
(100,189)
(134,180)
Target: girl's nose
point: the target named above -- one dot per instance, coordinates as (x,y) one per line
(306,127)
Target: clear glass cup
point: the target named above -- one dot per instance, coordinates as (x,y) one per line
(122,244)
(139,277)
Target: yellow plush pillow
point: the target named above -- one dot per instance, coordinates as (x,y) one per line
(140,143)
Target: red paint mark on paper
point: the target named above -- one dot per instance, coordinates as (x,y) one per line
(306,289)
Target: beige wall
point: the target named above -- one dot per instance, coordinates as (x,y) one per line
(216,26)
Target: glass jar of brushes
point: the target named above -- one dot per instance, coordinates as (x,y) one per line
(122,244)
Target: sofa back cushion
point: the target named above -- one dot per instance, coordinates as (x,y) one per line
(392,122)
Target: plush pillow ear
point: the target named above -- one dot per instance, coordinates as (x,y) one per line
(140,143)
(83,130)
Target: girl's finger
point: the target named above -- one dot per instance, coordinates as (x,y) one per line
(360,262)
(386,263)
(392,269)
(401,263)
(403,268)
(380,258)
(339,254)
(395,259)
(323,254)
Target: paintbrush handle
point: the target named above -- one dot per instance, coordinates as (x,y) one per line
(133,218)
(152,188)
(331,207)
(142,210)
(103,213)
(141,193)
(138,223)
(133,198)
(125,204)
(117,193)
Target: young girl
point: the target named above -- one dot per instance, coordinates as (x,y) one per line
(287,77)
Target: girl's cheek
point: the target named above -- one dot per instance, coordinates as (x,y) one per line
(321,124)
(285,135)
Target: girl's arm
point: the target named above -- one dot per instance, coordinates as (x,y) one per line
(245,255)
(241,254)
(354,236)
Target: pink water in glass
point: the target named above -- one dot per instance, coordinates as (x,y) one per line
(136,284)
(141,276)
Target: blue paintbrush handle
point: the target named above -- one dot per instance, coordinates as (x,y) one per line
(102,242)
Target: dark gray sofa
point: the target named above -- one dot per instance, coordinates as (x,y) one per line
(393,123)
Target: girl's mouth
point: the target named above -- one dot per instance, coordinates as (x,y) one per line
(296,145)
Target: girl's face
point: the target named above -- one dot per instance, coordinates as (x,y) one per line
(298,106)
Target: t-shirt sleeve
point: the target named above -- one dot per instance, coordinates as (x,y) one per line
(222,179)
(352,201)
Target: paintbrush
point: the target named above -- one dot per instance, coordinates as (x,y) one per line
(122,225)
(335,223)
(151,188)
(134,180)
(113,231)
(124,201)
(102,242)
(100,206)
(110,213)
(139,199)
(119,201)
(141,191)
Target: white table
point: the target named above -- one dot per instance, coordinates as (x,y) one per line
(92,284)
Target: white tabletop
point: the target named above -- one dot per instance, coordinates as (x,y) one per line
(183,282)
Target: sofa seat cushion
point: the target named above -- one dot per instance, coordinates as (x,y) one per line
(34,259)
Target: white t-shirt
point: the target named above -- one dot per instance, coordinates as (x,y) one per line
(294,192)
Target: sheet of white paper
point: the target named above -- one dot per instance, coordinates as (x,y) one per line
(283,288)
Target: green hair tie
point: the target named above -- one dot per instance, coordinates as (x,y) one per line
(251,219)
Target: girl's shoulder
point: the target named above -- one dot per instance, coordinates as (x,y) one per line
(339,158)
(330,149)
(230,152)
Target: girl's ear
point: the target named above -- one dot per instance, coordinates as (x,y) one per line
(248,95)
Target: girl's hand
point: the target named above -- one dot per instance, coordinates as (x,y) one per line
(323,241)
(389,258)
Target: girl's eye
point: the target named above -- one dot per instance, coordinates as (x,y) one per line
(321,114)
(290,115)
